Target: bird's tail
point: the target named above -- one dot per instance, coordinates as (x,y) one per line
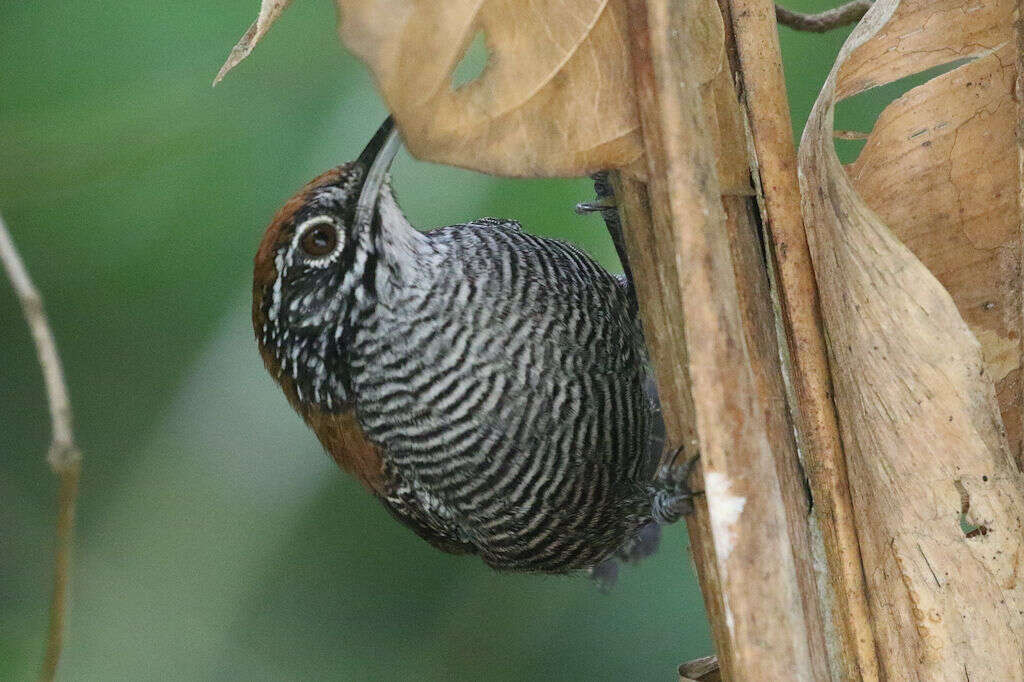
(642,545)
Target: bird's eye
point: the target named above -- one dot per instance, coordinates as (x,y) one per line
(319,240)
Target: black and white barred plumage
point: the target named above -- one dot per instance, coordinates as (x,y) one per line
(507,390)
(500,378)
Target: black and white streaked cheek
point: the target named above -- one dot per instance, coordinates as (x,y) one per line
(284,264)
(310,314)
(303,282)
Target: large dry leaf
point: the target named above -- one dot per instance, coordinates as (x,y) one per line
(938,494)
(939,169)
(923,34)
(555,98)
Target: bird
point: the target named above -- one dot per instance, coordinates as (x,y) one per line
(490,387)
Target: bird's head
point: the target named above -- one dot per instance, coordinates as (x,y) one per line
(317,271)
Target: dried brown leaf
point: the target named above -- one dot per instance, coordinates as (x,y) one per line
(913,386)
(556,97)
(929,171)
(270,10)
(923,34)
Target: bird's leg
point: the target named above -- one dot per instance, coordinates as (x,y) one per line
(673,497)
(607,205)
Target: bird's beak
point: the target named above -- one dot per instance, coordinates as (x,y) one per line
(376,158)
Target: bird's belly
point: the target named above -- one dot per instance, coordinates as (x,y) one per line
(498,445)
(572,527)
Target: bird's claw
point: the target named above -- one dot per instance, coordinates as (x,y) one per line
(600,204)
(678,475)
(608,206)
(674,498)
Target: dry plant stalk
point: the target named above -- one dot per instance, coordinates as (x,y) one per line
(64,456)
(760,76)
(703,292)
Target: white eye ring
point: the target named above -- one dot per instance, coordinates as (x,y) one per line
(304,228)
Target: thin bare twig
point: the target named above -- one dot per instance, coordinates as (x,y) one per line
(64,457)
(843,15)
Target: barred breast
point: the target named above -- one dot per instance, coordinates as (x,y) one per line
(506,392)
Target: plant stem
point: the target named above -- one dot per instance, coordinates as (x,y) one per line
(836,17)
(64,456)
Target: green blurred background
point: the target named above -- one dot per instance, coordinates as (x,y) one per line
(215,539)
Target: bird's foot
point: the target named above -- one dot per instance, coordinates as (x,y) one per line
(608,206)
(599,204)
(673,497)
(605,200)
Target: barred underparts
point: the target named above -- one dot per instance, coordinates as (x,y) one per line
(489,386)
